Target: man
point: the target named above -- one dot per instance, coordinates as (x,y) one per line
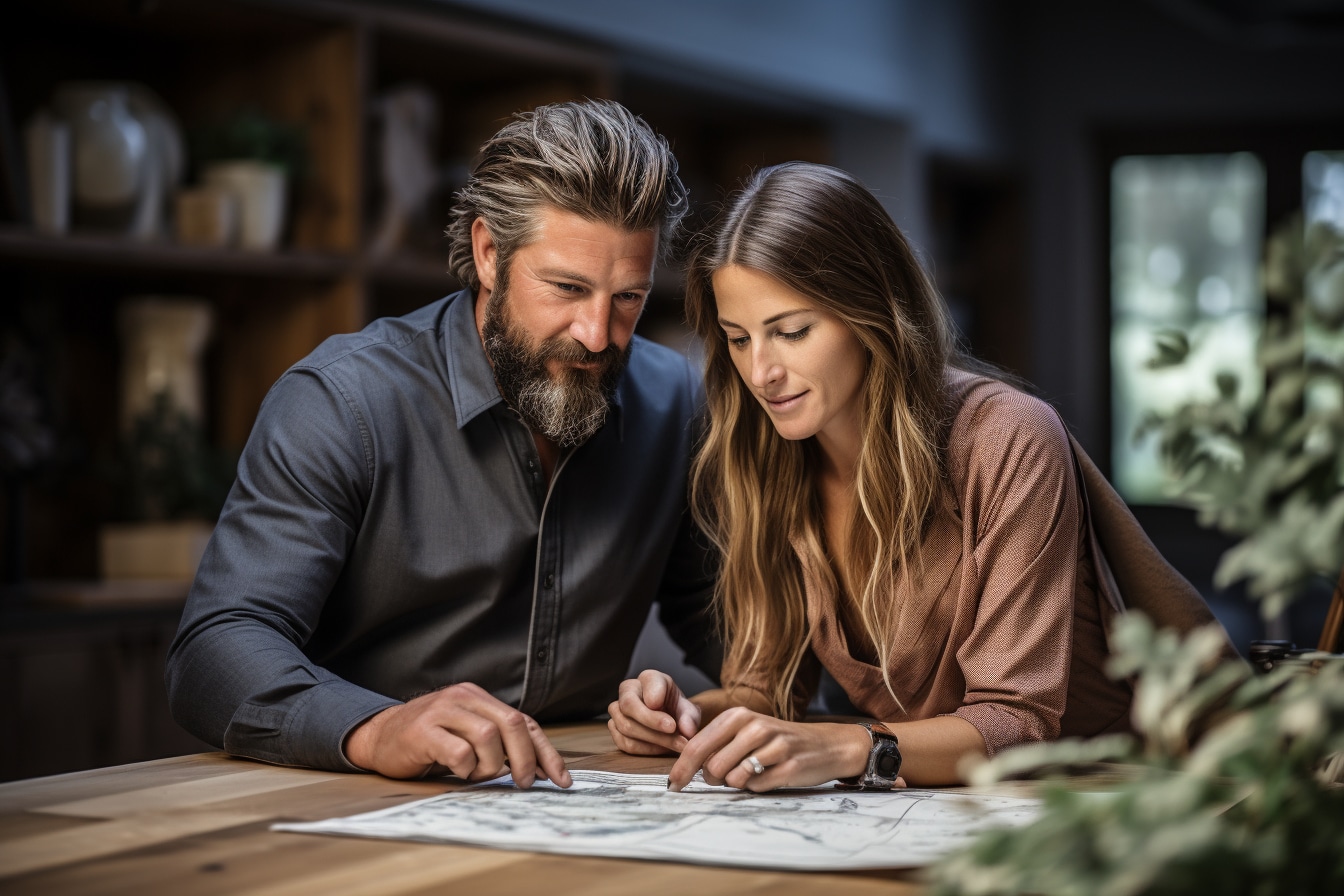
(452,524)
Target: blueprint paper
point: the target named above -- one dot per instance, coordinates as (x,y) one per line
(636,817)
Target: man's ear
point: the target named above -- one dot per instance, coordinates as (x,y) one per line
(484,253)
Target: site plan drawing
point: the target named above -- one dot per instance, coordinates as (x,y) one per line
(635,816)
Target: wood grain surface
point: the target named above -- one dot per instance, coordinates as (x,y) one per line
(200,825)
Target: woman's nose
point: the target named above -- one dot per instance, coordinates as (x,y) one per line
(764,369)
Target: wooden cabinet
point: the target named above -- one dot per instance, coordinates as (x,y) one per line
(323,66)
(81,677)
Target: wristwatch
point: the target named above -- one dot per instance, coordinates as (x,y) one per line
(884,762)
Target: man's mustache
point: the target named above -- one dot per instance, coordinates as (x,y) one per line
(566,350)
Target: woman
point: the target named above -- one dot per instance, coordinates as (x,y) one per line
(884,509)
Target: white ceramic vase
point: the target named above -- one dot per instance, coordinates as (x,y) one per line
(127,156)
(111,154)
(260,189)
(47,139)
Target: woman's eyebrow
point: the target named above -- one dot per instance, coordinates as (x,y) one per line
(724,322)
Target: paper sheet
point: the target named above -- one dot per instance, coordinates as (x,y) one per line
(634,816)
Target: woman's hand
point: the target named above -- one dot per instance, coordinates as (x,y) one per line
(791,754)
(651,715)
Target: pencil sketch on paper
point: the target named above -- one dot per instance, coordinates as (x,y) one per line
(634,816)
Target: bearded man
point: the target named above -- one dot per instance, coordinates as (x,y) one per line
(450,526)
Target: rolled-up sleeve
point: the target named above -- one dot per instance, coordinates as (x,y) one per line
(1022,495)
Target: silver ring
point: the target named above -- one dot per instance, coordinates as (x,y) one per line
(756,767)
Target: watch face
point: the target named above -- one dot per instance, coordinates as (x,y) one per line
(887,763)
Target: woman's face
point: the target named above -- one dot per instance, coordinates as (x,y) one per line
(802,363)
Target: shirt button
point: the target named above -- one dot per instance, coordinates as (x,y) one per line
(550,581)
(541,655)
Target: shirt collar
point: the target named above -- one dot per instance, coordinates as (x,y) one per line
(471,378)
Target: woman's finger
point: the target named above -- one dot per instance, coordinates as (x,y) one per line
(711,739)
(638,745)
(642,701)
(627,730)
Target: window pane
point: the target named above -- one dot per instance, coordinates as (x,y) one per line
(1323,262)
(1185,250)
(1323,188)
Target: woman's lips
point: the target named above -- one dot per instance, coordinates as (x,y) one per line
(784,403)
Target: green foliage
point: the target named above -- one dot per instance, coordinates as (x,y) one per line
(1274,473)
(1244,809)
(168,470)
(249,134)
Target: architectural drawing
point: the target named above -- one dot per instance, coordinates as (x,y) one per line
(634,816)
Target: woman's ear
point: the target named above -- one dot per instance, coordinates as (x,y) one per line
(484,253)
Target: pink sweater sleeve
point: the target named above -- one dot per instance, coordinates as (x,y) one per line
(1020,500)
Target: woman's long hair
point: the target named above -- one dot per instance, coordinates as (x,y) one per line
(819,231)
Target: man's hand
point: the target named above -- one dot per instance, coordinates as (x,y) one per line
(652,715)
(460,728)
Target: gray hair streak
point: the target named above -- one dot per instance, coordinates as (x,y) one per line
(594,158)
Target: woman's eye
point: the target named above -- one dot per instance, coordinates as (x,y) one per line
(738,341)
(795,335)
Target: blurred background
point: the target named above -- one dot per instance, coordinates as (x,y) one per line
(197,192)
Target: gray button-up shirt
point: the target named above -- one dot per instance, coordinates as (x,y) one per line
(391,532)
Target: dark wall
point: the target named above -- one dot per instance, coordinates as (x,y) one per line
(1090,70)
(1163,76)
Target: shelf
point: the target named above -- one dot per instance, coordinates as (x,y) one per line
(56,605)
(325,66)
(109,252)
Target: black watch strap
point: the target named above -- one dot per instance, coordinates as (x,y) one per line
(884,762)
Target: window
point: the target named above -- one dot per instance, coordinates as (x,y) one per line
(1186,232)
(1323,213)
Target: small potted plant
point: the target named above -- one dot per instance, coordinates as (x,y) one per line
(255,159)
(169,484)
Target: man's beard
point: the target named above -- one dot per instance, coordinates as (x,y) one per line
(567,407)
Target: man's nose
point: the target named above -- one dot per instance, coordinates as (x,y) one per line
(592,324)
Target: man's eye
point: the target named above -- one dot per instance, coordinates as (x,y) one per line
(567,287)
(630,297)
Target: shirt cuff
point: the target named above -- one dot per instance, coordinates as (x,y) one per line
(1002,727)
(310,732)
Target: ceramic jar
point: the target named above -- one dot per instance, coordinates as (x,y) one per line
(110,154)
(259,189)
(47,140)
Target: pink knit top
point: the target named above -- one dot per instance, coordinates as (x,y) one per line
(1016,641)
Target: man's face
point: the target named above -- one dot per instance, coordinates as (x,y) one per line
(557,323)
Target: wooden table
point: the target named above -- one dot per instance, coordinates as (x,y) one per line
(200,825)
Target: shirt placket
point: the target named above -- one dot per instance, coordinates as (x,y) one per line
(547,581)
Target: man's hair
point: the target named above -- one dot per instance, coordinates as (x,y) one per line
(594,158)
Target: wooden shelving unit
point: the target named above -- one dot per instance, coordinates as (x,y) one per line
(322,65)
(21,247)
